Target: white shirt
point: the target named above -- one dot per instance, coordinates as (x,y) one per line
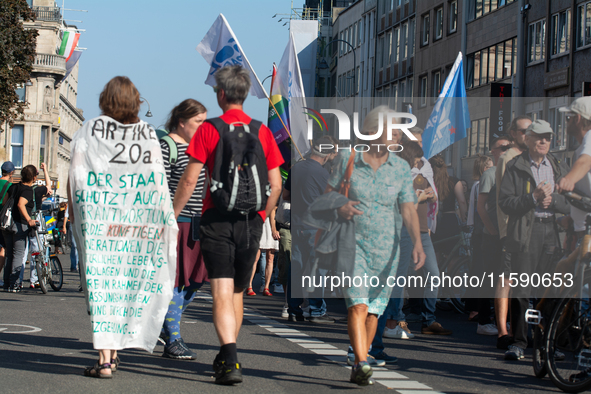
(584,185)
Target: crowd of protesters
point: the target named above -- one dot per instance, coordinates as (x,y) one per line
(404,208)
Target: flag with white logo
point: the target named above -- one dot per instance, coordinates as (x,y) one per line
(450,117)
(221,48)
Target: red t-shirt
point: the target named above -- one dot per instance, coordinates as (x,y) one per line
(205,141)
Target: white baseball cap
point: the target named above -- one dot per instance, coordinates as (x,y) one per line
(581,106)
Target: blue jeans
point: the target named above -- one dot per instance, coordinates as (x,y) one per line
(425,305)
(302,253)
(73,253)
(394,308)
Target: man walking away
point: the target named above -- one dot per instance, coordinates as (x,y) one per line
(229,241)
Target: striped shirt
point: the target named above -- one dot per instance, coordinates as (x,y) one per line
(174,173)
(542,173)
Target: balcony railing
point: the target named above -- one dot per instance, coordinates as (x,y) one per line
(51,63)
(50,14)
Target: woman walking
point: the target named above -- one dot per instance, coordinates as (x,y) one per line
(381,199)
(183,122)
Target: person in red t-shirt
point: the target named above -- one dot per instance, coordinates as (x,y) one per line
(229,244)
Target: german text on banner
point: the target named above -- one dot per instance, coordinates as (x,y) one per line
(220,48)
(450,117)
(125,230)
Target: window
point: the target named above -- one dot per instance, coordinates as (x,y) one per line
(411,37)
(354,37)
(357,84)
(340,86)
(436,84)
(21,93)
(16,145)
(410,93)
(557,120)
(348,90)
(404,42)
(560,34)
(478,135)
(395,45)
(388,59)
(536,41)
(453,16)
(423,91)
(42,144)
(478,8)
(426,28)
(584,25)
(439,23)
(380,54)
(341,43)
(491,64)
(359,32)
(61,140)
(394,96)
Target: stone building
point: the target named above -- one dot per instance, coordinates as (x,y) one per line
(51,117)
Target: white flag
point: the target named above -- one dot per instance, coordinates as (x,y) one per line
(292,88)
(220,48)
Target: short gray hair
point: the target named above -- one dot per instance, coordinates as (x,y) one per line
(235,82)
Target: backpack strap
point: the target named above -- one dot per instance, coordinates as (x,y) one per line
(255,126)
(3,192)
(221,128)
(172,148)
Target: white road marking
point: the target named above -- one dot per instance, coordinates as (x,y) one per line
(30,329)
(381,374)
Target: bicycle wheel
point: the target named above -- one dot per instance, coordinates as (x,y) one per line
(569,332)
(41,275)
(456,294)
(57,274)
(539,356)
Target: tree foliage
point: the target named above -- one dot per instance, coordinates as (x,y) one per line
(17,53)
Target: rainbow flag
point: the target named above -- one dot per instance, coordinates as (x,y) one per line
(69,43)
(279,113)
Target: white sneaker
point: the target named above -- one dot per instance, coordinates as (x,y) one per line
(284,313)
(278,289)
(487,329)
(397,333)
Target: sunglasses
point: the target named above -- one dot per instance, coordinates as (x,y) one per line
(503,148)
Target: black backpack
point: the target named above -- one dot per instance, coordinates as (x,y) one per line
(239,182)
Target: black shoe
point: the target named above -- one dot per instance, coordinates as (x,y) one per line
(178,350)
(504,342)
(324,319)
(514,353)
(294,318)
(15,289)
(227,374)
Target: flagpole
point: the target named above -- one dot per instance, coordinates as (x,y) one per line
(286,129)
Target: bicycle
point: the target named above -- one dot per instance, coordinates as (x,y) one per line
(455,264)
(49,268)
(562,318)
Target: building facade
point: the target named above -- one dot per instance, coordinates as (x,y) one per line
(51,116)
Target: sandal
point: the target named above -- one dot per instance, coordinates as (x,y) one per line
(267,293)
(96,371)
(250,292)
(115,364)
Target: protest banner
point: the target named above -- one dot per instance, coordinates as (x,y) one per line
(125,231)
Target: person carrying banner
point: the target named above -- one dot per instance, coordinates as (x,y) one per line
(129,234)
(229,241)
(183,122)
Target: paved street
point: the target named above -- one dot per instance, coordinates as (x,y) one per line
(277,356)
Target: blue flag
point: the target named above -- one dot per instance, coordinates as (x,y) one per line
(450,117)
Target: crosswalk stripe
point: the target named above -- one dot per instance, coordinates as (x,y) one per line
(381,375)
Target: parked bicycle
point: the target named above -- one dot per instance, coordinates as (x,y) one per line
(562,319)
(48,266)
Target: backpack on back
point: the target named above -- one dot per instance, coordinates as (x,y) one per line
(172,148)
(6,219)
(239,180)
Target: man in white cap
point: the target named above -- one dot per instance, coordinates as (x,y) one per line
(528,197)
(578,123)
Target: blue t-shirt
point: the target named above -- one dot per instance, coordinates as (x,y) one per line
(306,181)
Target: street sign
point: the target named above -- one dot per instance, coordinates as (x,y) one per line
(500,110)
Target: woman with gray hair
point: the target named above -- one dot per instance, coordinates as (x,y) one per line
(381,199)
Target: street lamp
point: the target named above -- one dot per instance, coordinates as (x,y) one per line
(149,113)
(323,65)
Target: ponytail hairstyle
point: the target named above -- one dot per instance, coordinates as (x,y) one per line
(183,112)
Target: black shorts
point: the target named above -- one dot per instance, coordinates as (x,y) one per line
(230,245)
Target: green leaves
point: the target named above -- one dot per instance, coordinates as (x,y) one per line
(17,53)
